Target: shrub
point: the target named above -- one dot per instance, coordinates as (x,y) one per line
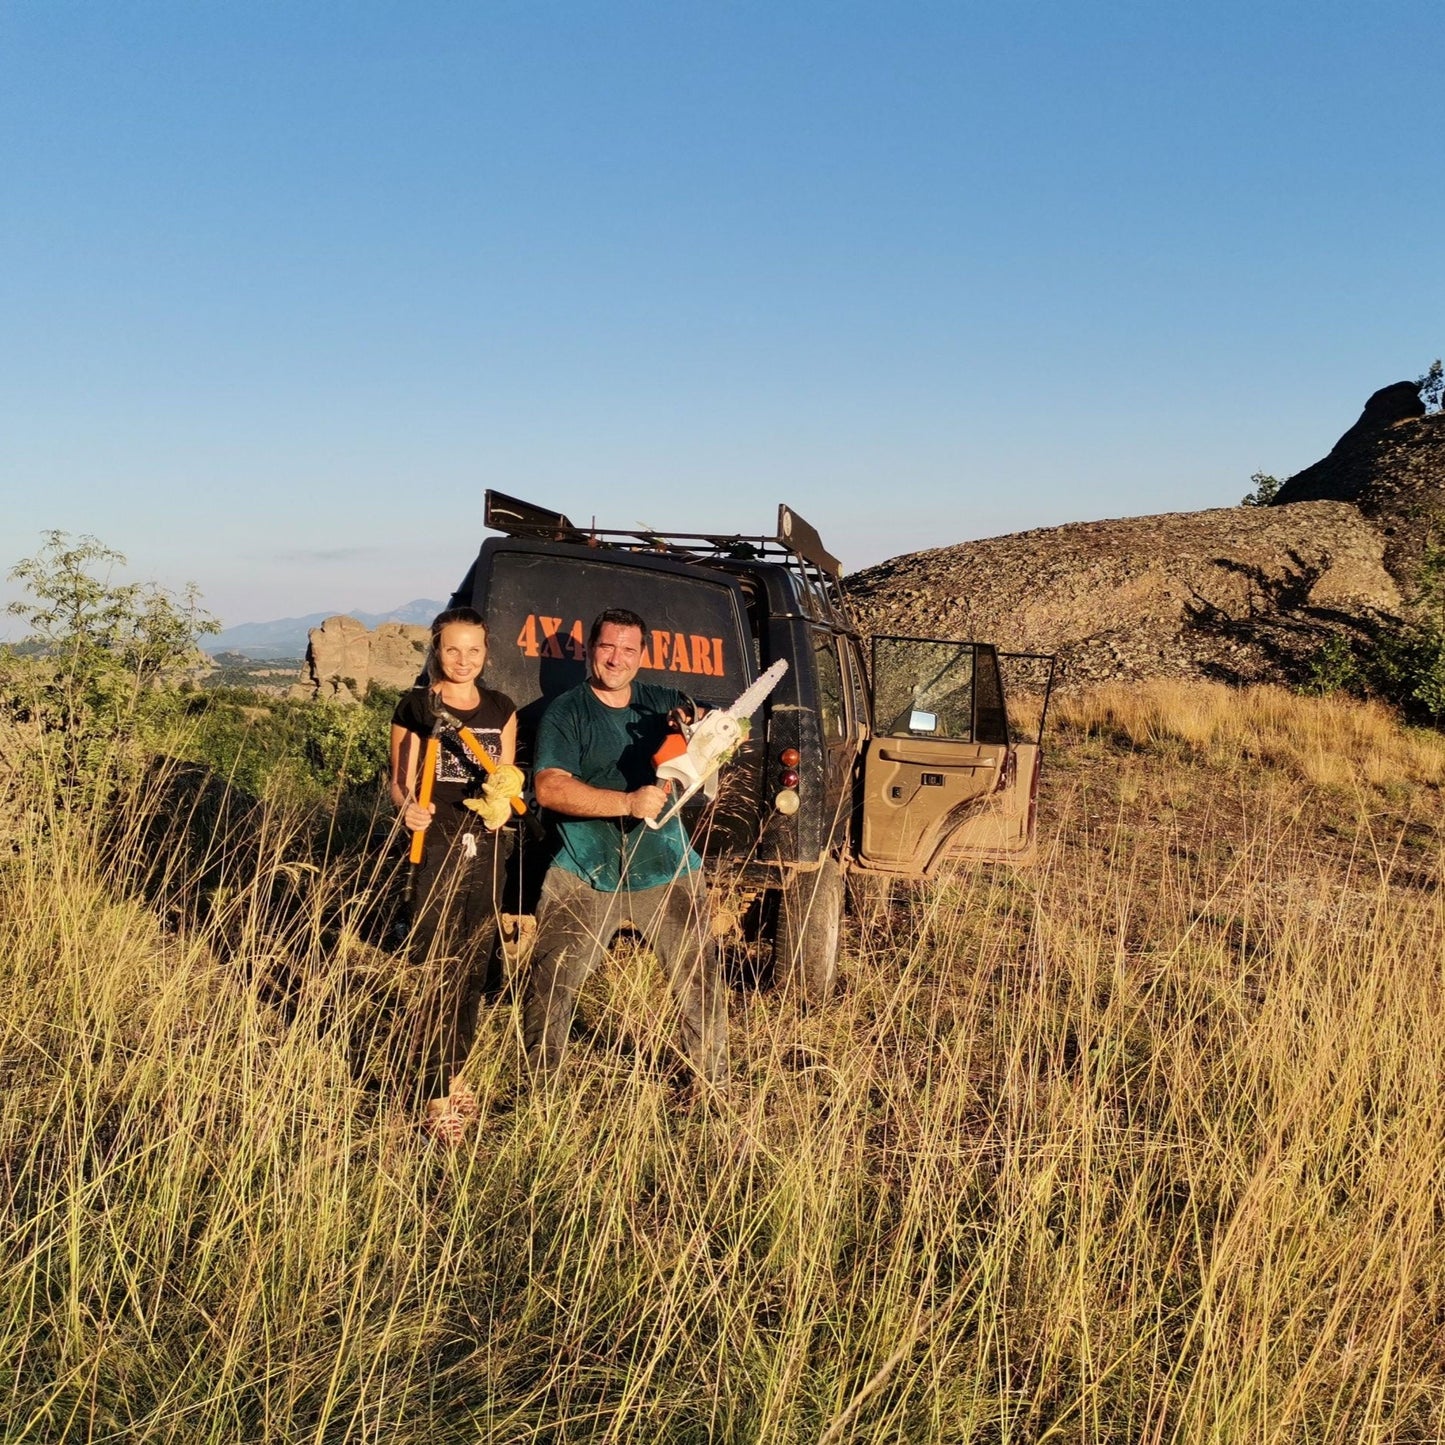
(1406,665)
(1432,387)
(1265,489)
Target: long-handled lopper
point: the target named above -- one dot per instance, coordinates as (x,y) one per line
(443,724)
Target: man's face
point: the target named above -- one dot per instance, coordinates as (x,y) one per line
(615,657)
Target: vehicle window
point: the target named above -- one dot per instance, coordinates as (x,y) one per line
(990,720)
(857,692)
(831,717)
(1028,680)
(923,688)
(539,608)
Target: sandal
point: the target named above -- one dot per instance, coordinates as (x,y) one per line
(444,1122)
(464,1101)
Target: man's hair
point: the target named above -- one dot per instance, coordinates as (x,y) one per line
(467,616)
(618,617)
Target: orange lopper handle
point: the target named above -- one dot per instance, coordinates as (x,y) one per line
(483,757)
(423,797)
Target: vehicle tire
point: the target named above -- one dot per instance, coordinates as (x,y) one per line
(805,947)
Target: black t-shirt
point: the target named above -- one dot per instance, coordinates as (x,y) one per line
(458,775)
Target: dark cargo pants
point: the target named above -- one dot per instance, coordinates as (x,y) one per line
(575,923)
(453,938)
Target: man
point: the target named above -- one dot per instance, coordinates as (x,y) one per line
(594,771)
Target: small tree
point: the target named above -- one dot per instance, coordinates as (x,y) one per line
(1406,664)
(1265,488)
(1432,388)
(81,619)
(102,646)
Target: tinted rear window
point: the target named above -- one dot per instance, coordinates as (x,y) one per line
(539,608)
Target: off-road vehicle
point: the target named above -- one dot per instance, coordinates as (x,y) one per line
(896,778)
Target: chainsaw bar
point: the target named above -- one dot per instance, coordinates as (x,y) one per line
(750,699)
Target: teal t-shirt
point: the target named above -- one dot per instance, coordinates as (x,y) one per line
(612,747)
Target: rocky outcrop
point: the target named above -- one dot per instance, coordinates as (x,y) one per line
(344,657)
(1240,594)
(1391,465)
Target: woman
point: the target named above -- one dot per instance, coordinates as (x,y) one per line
(457,895)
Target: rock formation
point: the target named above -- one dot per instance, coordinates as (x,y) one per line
(1241,594)
(343,658)
(1391,465)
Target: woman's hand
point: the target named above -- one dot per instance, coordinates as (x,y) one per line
(416,817)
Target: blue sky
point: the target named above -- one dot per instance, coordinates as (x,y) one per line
(285,287)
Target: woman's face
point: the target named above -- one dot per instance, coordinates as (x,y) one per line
(462,651)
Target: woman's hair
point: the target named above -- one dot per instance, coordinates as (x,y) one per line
(468,616)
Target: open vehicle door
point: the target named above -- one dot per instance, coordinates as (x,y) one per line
(945,775)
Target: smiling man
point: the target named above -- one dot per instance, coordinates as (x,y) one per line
(594,773)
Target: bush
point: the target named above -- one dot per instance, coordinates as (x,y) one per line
(1405,666)
(1432,387)
(1265,489)
(102,678)
(1334,668)
(306,750)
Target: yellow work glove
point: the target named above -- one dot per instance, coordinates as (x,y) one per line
(494,812)
(505,782)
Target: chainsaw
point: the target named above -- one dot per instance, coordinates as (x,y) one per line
(689,759)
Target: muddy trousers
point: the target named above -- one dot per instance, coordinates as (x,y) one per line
(575,923)
(452,942)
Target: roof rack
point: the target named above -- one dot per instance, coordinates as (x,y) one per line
(795,539)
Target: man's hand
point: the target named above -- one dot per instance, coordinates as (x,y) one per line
(559,790)
(648,802)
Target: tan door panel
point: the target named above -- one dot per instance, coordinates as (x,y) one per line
(947,775)
(1003,830)
(917,793)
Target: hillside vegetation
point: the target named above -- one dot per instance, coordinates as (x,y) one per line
(1144,1143)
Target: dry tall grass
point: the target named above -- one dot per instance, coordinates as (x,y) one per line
(1143,1145)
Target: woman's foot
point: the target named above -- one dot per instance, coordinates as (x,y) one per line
(464,1101)
(444,1122)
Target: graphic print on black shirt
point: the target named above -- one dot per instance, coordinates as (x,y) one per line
(458,775)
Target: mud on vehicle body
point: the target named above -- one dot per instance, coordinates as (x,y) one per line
(888,756)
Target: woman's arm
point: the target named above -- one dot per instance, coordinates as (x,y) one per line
(402,781)
(509,739)
(405,754)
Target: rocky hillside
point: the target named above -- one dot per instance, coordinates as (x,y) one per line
(1241,594)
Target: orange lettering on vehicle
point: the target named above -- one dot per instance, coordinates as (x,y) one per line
(665,651)
(701,654)
(527,637)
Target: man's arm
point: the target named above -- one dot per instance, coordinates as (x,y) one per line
(558,790)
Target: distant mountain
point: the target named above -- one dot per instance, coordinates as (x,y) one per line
(286,637)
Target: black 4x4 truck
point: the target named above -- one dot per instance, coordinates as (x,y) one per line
(892,756)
